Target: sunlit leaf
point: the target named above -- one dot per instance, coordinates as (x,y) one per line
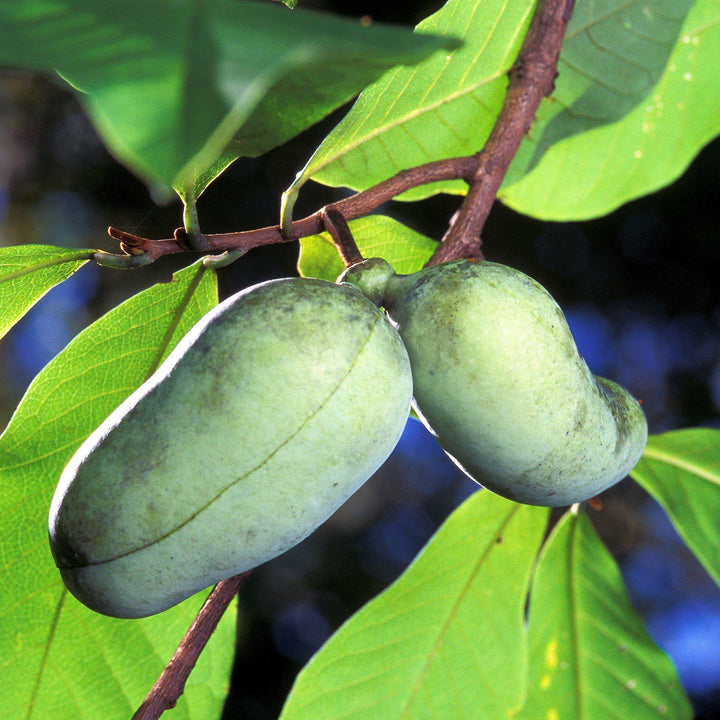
(443,107)
(591,174)
(173,86)
(376,236)
(590,655)
(57,659)
(27,272)
(613,54)
(681,470)
(446,640)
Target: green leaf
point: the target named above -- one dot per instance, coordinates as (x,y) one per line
(57,659)
(681,470)
(590,655)
(173,86)
(447,639)
(443,107)
(376,236)
(613,54)
(27,272)
(590,174)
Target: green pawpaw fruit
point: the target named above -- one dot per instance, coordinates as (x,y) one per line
(500,382)
(268,415)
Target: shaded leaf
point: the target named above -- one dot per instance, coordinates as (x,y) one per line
(590,655)
(27,272)
(447,639)
(613,54)
(681,470)
(376,236)
(445,107)
(646,150)
(173,86)
(57,659)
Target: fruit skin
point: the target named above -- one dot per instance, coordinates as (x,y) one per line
(268,415)
(499,380)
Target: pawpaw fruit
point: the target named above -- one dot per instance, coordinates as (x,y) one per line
(265,418)
(499,380)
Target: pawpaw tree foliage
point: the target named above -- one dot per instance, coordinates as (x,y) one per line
(504,613)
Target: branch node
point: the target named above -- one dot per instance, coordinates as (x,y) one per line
(133,244)
(181,238)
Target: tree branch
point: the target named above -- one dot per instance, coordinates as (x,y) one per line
(171,683)
(356,206)
(532,77)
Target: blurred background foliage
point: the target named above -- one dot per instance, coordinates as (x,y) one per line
(639,289)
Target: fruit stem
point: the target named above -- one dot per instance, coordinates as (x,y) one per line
(342,236)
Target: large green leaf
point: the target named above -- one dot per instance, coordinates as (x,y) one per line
(681,470)
(173,86)
(614,52)
(590,655)
(443,107)
(57,659)
(376,236)
(27,272)
(446,640)
(591,174)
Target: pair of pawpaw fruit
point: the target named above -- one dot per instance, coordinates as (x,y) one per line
(286,398)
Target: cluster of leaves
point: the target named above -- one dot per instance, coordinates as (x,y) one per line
(177,91)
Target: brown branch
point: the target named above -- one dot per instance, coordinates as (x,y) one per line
(356,206)
(532,77)
(171,683)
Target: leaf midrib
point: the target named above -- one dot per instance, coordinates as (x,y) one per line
(27,270)
(452,614)
(681,464)
(46,653)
